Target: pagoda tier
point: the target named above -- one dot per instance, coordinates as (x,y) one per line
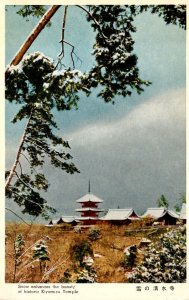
(89,208)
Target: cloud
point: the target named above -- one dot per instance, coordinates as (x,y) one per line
(132,161)
(165,112)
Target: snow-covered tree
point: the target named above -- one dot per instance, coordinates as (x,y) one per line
(164,261)
(40,253)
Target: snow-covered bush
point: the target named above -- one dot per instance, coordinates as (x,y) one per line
(79,250)
(86,276)
(129,257)
(94,234)
(40,253)
(165,260)
(18,248)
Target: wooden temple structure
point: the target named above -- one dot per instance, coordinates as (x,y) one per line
(89,209)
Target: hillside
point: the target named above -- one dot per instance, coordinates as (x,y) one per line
(65,249)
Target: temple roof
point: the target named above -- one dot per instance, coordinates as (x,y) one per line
(65,219)
(183,212)
(89,198)
(118,214)
(68,219)
(159,212)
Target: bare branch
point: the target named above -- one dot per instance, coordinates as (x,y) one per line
(61,55)
(72,52)
(28,161)
(20,167)
(17,215)
(23,181)
(91,16)
(53,268)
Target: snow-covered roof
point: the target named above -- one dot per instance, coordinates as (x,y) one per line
(87,218)
(68,219)
(118,214)
(183,212)
(89,209)
(53,222)
(159,212)
(173,214)
(155,212)
(89,197)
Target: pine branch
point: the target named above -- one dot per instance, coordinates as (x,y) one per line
(21,196)
(91,16)
(28,162)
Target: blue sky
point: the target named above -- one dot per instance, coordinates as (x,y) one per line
(133,151)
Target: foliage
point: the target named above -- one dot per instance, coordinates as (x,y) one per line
(181,201)
(165,260)
(80,250)
(31,10)
(162,201)
(86,276)
(172,14)
(130,257)
(94,234)
(36,85)
(40,252)
(66,278)
(116,65)
(18,247)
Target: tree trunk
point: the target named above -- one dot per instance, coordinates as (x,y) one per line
(45,19)
(12,171)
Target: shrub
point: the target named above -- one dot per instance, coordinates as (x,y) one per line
(40,252)
(87,275)
(19,248)
(94,234)
(165,260)
(81,249)
(130,257)
(66,278)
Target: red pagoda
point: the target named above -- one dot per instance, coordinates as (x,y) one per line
(89,208)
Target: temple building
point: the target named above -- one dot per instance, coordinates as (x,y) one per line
(89,209)
(162,215)
(120,216)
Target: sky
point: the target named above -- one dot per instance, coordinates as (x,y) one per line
(132,151)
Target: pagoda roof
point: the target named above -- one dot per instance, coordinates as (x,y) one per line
(118,214)
(89,198)
(89,209)
(87,218)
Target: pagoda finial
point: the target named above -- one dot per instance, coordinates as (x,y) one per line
(89,187)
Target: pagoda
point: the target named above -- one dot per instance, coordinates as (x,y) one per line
(89,208)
